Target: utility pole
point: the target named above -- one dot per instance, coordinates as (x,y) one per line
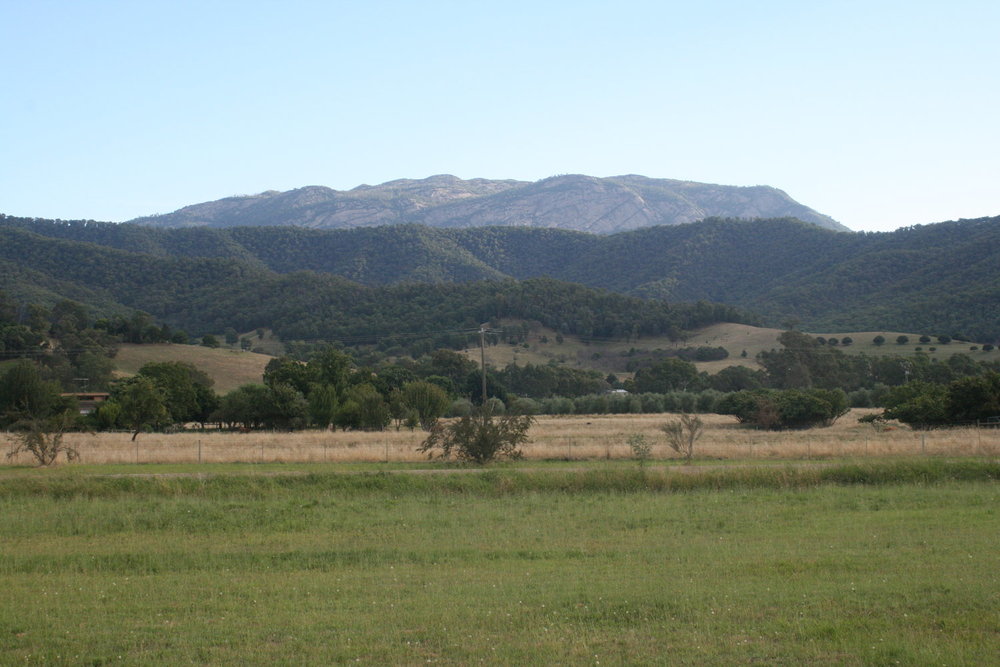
(482,359)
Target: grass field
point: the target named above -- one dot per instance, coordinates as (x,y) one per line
(610,356)
(573,437)
(228,368)
(840,566)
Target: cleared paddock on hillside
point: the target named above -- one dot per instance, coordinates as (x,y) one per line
(576,437)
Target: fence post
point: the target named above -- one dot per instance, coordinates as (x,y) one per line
(923,443)
(199,450)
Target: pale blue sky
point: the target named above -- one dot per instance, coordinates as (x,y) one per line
(880,114)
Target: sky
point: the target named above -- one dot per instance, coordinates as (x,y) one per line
(880,114)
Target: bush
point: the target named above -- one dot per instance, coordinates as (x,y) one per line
(479,437)
(789,408)
(681,435)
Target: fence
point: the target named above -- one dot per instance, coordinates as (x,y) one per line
(576,437)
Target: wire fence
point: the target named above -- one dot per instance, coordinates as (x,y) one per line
(573,438)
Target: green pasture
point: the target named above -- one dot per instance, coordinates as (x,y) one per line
(884,563)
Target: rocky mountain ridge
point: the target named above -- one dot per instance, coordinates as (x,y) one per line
(574,202)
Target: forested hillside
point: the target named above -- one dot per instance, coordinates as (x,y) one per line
(203,295)
(942,278)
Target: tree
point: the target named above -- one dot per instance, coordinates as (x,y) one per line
(322,404)
(682,434)
(919,404)
(640,446)
(187,391)
(902,340)
(285,370)
(142,404)
(879,340)
(25,395)
(736,378)
(789,408)
(42,437)
(479,437)
(246,406)
(363,408)
(429,401)
(231,335)
(208,340)
(668,375)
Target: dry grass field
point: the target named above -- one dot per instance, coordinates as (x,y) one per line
(229,368)
(735,338)
(577,437)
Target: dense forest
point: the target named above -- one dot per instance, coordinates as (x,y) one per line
(208,295)
(942,278)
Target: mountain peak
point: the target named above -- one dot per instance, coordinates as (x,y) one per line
(565,201)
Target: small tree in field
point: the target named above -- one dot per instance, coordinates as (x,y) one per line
(681,435)
(43,438)
(641,449)
(479,437)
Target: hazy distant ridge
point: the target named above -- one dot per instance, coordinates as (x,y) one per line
(582,203)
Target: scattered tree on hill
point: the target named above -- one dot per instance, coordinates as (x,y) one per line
(879,340)
(902,340)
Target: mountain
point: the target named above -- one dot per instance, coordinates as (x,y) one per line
(573,202)
(939,279)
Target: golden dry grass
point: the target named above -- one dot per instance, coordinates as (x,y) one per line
(227,367)
(577,437)
(735,338)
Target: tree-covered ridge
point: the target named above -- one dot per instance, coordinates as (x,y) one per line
(203,295)
(943,277)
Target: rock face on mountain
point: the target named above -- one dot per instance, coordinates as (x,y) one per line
(583,203)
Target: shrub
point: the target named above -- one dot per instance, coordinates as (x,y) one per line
(43,438)
(641,449)
(682,434)
(479,437)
